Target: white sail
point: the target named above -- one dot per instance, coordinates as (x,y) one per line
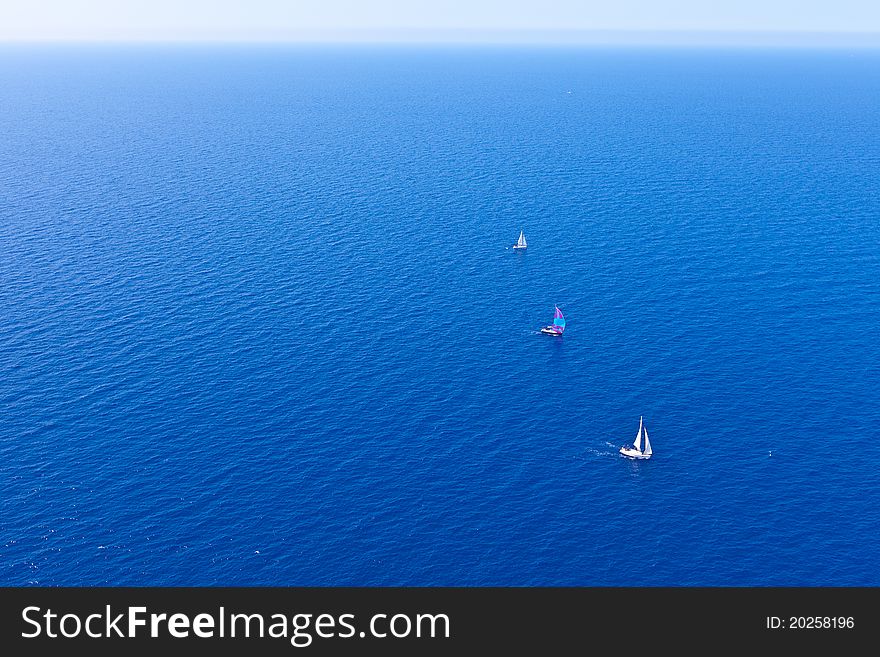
(522,239)
(647,451)
(637,443)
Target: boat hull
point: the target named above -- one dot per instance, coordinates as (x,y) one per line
(550,331)
(633,454)
(517,246)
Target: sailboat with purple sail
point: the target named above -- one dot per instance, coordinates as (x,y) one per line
(558,325)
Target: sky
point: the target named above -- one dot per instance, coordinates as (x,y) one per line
(436,20)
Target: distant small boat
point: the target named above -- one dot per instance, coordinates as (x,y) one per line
(558,325)
(636,451)
(521,242)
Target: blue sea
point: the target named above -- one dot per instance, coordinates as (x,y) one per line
(262,323)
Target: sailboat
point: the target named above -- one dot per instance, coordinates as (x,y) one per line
(521,242)
(636,451)
(558,325)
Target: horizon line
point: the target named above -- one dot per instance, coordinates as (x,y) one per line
(426,36)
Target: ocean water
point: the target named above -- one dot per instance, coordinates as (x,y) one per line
(262,325)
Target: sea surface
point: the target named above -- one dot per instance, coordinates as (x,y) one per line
(261,322)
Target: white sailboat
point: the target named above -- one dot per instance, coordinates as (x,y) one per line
(521,242)
(636,451)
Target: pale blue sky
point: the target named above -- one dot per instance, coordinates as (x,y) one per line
(416,20)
